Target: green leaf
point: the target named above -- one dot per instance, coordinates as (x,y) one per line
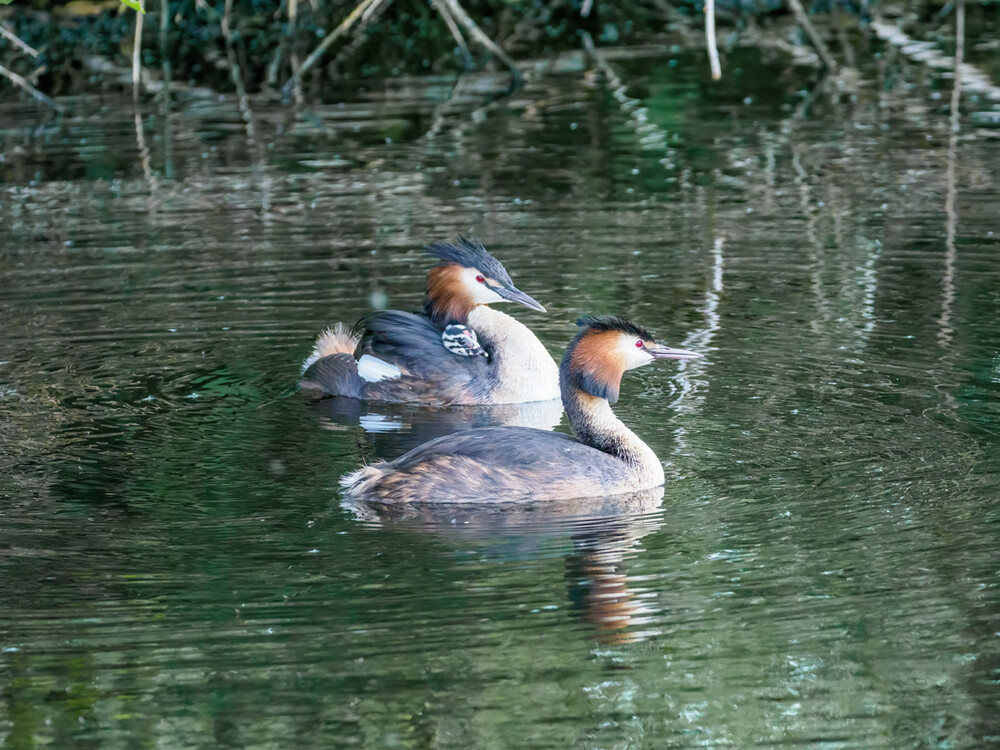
(133,4)
(6,2)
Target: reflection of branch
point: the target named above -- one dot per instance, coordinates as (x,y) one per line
(973,79)
(144,155)
(689,371)
(951,213)
(168,148)
(713,50)
(245,112)
(651,135)
(817,42)
(17,80)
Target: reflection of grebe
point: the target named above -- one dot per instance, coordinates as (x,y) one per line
(604,530)
(600,587)
(459,351)
(516,463)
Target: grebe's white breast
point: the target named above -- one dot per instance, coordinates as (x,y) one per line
(525,369)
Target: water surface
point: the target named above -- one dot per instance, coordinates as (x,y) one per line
(821,569)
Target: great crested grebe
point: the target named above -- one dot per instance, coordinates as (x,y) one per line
(458,351)
(517,463)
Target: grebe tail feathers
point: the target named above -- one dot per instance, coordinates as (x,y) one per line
(336,340)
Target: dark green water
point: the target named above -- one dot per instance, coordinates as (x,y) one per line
(822,569)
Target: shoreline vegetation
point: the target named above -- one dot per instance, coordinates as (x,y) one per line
(290,51)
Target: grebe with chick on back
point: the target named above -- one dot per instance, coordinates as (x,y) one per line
(519,463)
(457,351)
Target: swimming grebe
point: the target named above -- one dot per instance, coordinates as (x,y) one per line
(517,463)
(458,351)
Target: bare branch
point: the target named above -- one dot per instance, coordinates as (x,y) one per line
(479,35)
(16,40)
(293,14)
(137,52)
(360,10)
(713,50)
(456,32)
(17,80)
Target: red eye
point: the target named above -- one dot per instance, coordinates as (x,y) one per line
(480,279)
(638,344)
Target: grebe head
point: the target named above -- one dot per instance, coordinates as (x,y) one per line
(604,349)
(468,276)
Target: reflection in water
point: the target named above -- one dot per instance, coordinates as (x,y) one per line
(604,532)
(951,211)
(600,587)
(393,429)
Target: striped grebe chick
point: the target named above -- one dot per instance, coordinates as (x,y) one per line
(519,463)
(457,351)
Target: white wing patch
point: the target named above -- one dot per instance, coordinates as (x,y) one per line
(372,369)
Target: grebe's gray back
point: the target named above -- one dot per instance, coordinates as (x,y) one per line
(514,463)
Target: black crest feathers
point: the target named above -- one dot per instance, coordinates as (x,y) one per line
(613,323)
(470,254)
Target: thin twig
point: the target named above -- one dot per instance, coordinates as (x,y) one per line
(137,52)
(15,39)
(817,42)
(333,36)
(164,57)
(358,39)
(842,41)
(586,8)
(293,13)
(713,50)
(168,148)
(19,81)
(479,35)
(456,32)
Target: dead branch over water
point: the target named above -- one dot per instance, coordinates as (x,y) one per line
(456,32)
(137,52)
(19,81)
(362,10)
(713,50)
(17,42)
